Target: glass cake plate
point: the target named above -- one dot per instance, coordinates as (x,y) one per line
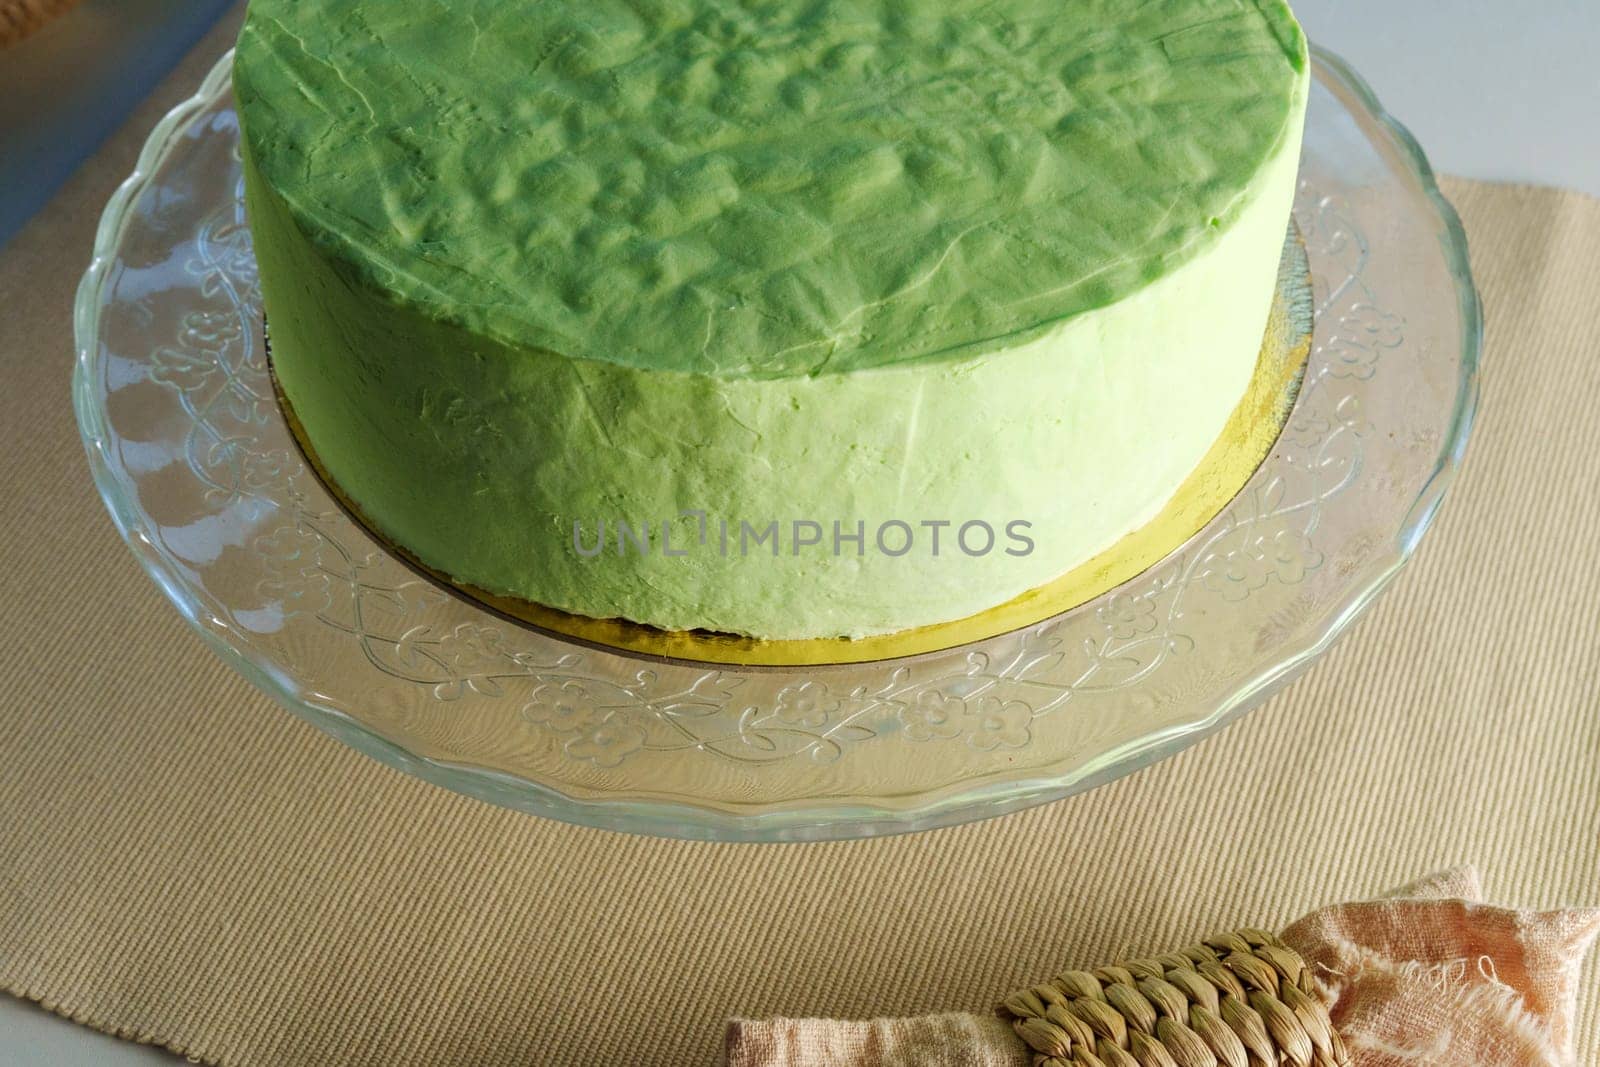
(192,455)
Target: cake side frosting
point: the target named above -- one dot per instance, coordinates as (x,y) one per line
(749,189)
(481,463)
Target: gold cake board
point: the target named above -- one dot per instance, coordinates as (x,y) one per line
(1246,441)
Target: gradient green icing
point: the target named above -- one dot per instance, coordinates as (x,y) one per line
(534,264)
(764,188)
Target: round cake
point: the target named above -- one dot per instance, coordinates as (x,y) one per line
(788,319)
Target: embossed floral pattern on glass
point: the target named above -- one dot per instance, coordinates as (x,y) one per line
(198,469)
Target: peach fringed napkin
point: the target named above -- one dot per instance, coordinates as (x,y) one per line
(1427,975)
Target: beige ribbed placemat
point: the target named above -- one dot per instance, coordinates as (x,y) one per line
(182,862)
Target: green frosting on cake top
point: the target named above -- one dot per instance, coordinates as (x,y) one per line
(765,189)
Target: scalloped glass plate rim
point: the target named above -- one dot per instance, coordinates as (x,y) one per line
(810,819)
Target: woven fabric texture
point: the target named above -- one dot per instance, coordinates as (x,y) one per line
(1427,974)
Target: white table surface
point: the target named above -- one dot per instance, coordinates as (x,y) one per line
(1492,90)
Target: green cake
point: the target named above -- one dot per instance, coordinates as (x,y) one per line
(789,319)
